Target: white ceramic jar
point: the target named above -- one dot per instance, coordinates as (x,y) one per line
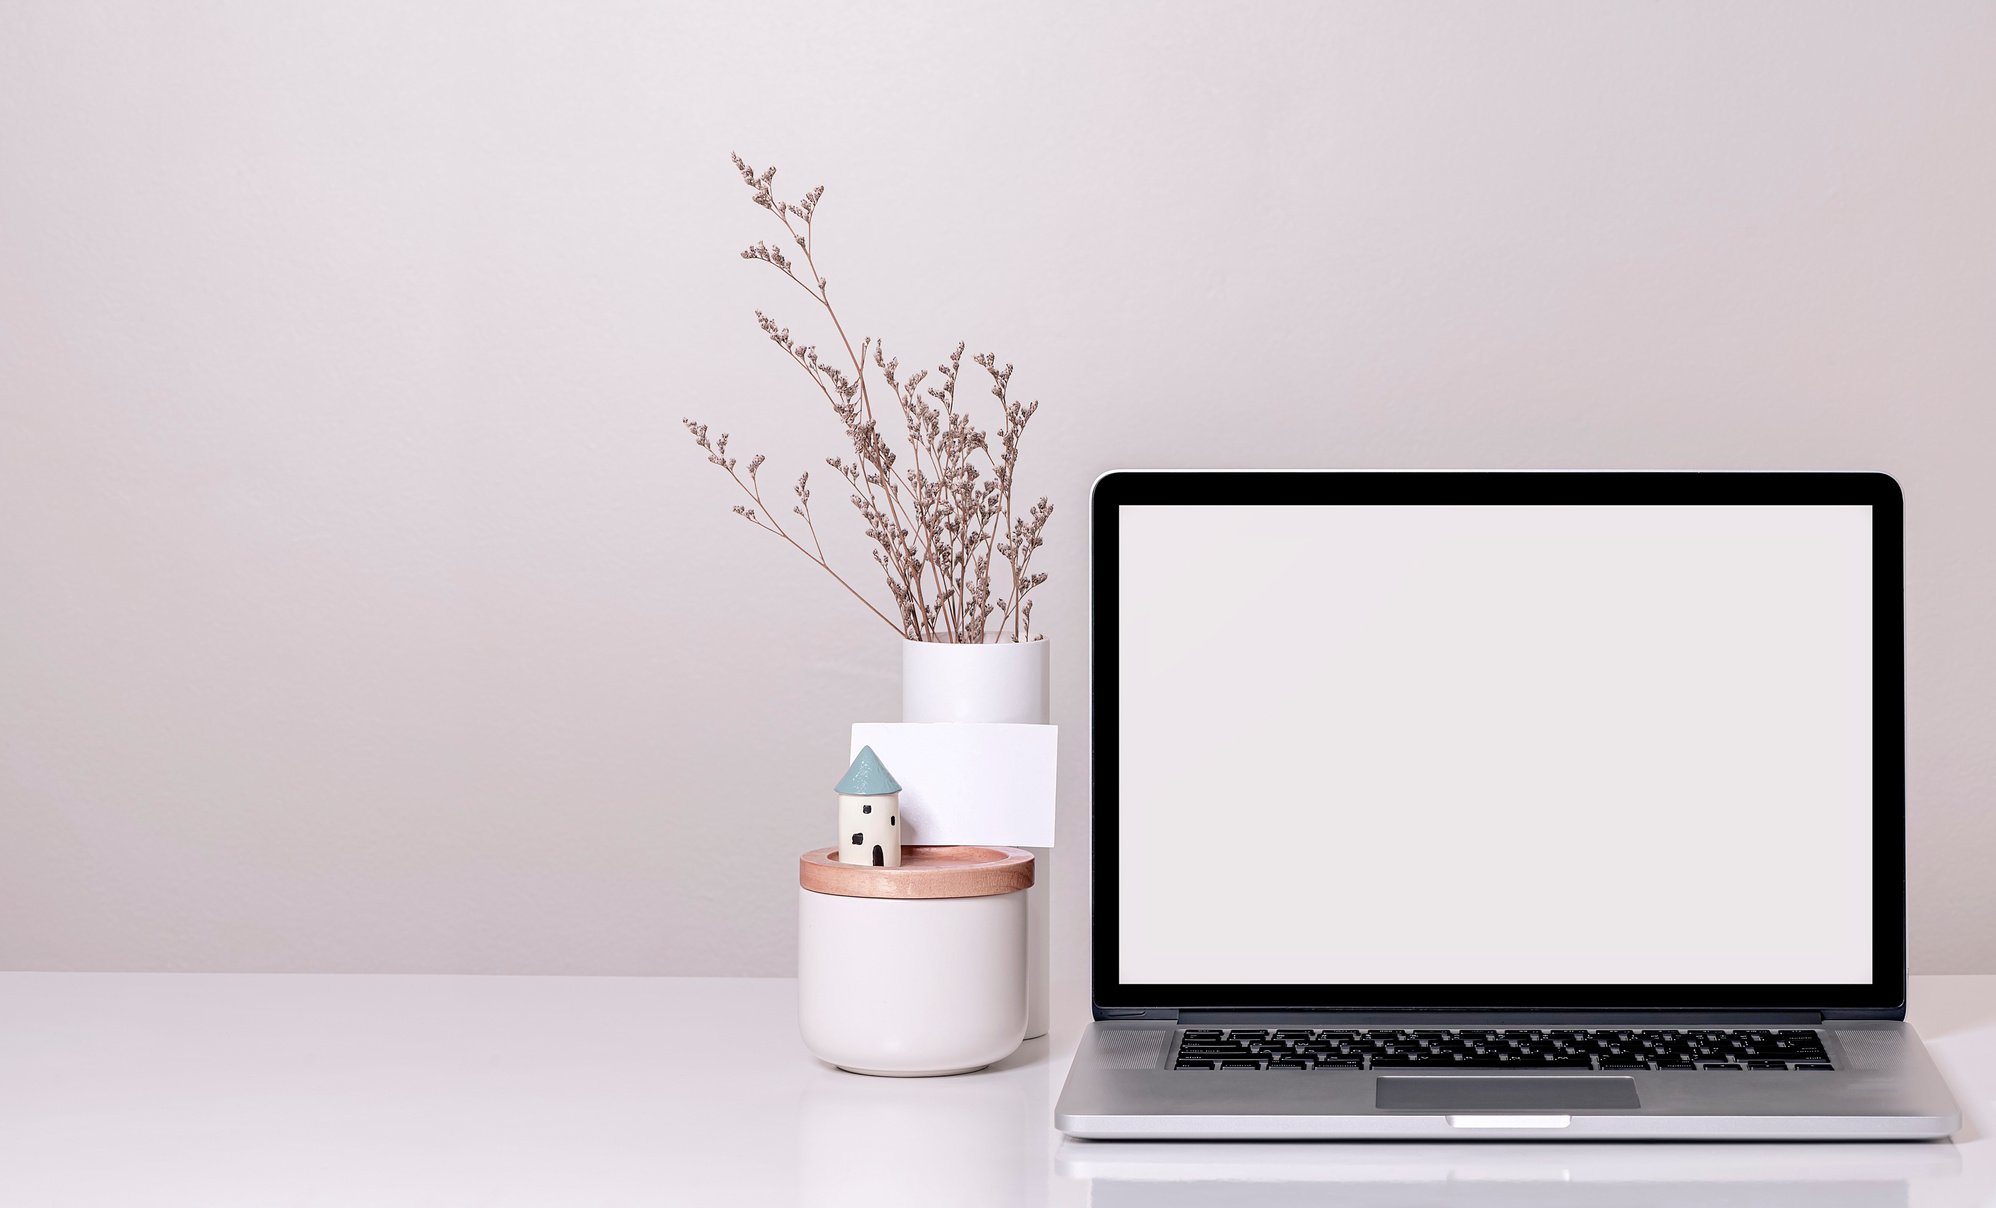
(917,970)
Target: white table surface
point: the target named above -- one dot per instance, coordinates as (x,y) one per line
(216,1089)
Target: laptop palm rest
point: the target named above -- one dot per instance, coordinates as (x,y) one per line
(1433,1094)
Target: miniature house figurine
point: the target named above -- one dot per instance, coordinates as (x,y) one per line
(869,814)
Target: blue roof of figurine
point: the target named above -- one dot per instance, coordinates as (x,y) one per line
(867,777)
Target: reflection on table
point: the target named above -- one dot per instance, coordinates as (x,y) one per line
(1128,1174)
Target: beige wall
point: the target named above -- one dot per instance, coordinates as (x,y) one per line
(363,607)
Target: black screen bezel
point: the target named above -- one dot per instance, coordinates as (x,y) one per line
(1884,995)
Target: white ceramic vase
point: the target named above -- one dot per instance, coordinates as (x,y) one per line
(992,682)
(984,682)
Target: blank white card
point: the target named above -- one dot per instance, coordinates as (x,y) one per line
(969,783)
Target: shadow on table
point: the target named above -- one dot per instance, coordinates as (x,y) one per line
(1128,1174)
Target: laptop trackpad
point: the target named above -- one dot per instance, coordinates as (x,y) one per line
(1500,1094)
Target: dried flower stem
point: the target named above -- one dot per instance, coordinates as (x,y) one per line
(934,527)
(760,515)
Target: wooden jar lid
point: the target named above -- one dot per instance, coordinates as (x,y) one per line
(925,872)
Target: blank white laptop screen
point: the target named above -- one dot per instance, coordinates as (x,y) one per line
(1432,745)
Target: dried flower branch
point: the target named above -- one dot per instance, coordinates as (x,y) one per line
(935,518)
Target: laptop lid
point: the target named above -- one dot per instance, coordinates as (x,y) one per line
(1575,741)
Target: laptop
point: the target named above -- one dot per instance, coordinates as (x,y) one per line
(1481,805)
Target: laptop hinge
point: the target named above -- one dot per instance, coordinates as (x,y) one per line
(1167,1013)
(1898,1012)
(1276,1018)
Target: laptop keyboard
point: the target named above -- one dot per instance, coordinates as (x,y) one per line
(1500,1049)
